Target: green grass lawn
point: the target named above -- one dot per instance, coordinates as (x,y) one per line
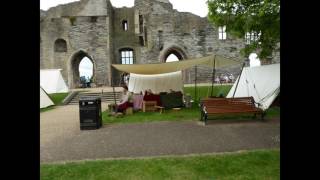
(185,114)
(205,91)
(257,164)
(57,99)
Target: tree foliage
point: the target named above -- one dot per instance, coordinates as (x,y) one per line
(242,16)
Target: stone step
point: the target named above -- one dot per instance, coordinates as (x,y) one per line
(105,97)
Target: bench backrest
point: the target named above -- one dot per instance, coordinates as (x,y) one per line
(232,102)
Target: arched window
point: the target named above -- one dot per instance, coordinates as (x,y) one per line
(126,56)
(60,45)
(125,25)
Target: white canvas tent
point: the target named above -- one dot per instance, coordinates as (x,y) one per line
(52,81)
(45,101)
(156,82)
(260,82)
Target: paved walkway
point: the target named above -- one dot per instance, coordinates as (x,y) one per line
(62,140)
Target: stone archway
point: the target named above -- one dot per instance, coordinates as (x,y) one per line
(176,50)
(180,54)
(73,68)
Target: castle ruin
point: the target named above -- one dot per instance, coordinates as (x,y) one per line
(148,32)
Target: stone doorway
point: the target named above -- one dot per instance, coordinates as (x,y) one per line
(73,70)
(178,53)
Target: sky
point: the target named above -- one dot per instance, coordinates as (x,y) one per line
(198,7)
(86,67)
(254,60)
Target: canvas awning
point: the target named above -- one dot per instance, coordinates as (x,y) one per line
(157,83)
(216,61)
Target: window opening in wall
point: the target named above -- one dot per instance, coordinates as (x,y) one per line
(60,45)
(252,37)
(125,25)
(222,32)
(160,40)
(145,36)
(140,23)
(126,56)
(141,40)
(93,19)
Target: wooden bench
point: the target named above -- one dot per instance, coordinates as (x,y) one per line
(219,106)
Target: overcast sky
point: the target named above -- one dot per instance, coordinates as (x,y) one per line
(198,7)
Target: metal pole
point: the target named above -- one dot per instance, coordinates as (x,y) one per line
(114,93)
(238,79)
(195,83)
(213,74)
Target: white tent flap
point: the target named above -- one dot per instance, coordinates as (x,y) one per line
(260,82)
(45,101)
(52,81)
(157,83)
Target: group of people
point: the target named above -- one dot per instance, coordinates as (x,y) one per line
(85,82)
(224,79)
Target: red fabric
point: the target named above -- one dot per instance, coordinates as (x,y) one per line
(152,97)
(124,106)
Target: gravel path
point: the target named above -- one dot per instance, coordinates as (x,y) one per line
(61,139)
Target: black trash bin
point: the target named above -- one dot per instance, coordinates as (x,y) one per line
(90,112)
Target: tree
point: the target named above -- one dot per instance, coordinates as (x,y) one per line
(246,16)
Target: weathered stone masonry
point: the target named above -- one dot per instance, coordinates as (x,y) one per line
(94,28)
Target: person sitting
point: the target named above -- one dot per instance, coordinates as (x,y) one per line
(126,100)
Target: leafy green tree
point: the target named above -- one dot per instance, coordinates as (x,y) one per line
(242,16)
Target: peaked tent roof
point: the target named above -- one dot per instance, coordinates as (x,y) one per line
(216,61)
(52,81)
(260,82)
(45,100)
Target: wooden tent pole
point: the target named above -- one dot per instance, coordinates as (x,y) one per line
(238,79)
(213,74)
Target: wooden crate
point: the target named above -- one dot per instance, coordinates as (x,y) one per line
(149,106)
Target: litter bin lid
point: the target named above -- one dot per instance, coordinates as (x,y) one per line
(88,98)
